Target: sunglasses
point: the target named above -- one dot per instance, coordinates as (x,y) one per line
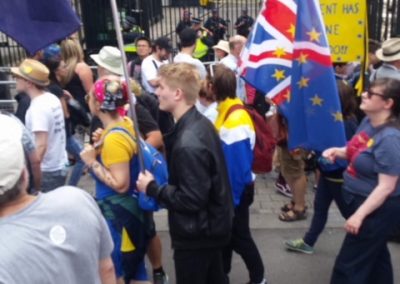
(370,94)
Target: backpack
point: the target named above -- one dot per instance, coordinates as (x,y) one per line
(265,143)
(154,162)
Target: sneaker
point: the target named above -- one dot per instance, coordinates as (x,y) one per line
(299,245)
(283,188)
(160,278)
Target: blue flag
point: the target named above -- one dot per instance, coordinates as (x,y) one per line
(35,24)
(288,57)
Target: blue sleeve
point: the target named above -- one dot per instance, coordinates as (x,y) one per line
(387,155)
(239,161)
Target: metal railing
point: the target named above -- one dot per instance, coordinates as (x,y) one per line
(160,18)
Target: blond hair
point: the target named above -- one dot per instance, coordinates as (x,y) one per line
(72,54)
(182,76)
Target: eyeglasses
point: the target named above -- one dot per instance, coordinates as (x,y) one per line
(370,94)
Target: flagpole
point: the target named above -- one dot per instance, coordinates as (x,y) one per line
(132,99)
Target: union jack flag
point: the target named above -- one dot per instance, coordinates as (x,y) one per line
(287,57)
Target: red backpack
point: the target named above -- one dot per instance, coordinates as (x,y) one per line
(265,141)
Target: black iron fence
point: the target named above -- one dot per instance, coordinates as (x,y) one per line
(160,17)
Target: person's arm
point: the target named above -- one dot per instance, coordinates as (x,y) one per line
(332,154)
(386,185)
(41,138)
(153,83)
(150,72)
(34,162)
(155,139)
(85,75)
(107,272)
(116,176)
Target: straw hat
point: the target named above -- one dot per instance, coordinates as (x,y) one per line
(33,71)
(390,50)
(223,45)
(109,58)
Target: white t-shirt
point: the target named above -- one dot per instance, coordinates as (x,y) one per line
(45,114)
(211,112)
(150,66)
(186,58)
(231,62)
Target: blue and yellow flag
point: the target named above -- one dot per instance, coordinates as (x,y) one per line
(288,58)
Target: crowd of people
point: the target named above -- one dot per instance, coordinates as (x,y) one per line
(194,115)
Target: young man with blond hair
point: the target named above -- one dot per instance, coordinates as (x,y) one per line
(198,196)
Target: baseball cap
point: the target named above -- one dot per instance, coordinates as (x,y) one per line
(12,158)
(163,42)
(52,52)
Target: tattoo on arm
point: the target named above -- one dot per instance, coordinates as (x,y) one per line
(103,174)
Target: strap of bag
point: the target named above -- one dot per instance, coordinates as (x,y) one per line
(232,109)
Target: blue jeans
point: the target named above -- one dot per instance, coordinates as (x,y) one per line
(365,258)
(53,180)
(327,191)
(74,147)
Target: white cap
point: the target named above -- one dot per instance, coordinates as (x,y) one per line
(12,158)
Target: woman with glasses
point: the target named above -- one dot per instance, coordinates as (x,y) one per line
(371,190)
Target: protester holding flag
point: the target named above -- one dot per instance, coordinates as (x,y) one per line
(112,168)
(237,134)
(371,189)
(288,58)
(331,179)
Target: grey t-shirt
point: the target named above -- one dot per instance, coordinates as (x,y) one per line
(372,152)
(59,238)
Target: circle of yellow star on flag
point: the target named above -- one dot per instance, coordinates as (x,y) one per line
(302,58)
(338,116)
(316,101)
(279,52)
(279,74)
(314,35)
(303,82)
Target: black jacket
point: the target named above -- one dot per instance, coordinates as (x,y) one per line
(198,196)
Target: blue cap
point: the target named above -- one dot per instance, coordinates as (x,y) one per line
(52,52)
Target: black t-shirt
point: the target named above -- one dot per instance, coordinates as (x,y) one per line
(59,93)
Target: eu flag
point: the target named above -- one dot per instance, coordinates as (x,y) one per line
(35,24)
(288,58)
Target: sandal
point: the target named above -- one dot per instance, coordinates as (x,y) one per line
(287,207)
(293,215)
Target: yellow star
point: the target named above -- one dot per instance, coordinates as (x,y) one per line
(303,82)
(316,101)
(288,96)
(279,52)
(314,35)
(338,116)
(279,75)
(291,30)
(302,58)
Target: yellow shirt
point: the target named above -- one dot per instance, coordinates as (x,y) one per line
(118,147)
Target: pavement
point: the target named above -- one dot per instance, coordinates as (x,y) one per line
(282,267)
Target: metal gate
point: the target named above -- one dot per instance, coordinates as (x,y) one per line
(160,17)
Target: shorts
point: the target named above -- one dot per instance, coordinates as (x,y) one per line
(292,167)
(151,225)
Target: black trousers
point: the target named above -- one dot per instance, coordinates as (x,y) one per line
(201,266)
(365,258)
(242,242)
